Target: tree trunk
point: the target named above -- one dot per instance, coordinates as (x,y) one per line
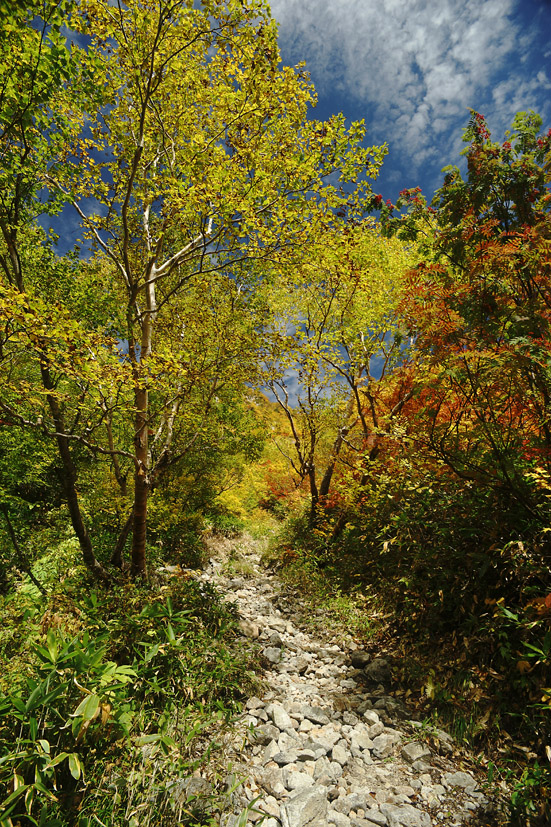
(141,485)
(142,471)
(314,497)
(116,556)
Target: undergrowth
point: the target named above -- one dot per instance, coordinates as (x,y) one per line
(113,705)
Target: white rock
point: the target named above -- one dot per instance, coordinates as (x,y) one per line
(316,715)
(361,741)
(278,715)
(271,750)
(305,725)
(384,744)
(459,779)
(376,817)
(288,756)
(405,816)
(340,755)
(295,780)
(371,717)
(415,751)
(269,805)
(376,729)
(306,809)
(272,781)
(339,819)
(272,653)
(249,628)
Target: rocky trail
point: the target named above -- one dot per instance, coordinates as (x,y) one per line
(329,743)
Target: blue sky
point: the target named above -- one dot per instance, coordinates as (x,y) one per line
(413,69)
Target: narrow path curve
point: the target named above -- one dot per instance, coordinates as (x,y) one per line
(329,743)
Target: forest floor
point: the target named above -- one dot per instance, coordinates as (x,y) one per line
(329,739)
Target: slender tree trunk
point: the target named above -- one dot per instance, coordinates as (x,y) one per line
(325,484)
(141,485)
(314,497)
(13,272)
(142,471)
(119,476)
(338,443)
(116,556)
(69,480)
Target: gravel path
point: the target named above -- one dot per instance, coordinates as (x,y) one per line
(329,743)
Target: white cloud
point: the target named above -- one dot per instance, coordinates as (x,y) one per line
(418,66)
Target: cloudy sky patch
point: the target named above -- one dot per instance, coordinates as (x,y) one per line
(413,69)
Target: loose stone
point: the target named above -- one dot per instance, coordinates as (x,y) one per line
(384,744)
(405,816)
(459,779)
(307,809)
(278,715)
(415,751)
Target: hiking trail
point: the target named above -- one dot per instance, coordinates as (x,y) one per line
(329,743)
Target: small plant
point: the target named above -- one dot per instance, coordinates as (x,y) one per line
(531,797)
(144,681)
(75,702)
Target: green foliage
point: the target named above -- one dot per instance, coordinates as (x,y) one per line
(29,499)
(45,84)
(531,797)
(76,700)
(137,678)
(226,525)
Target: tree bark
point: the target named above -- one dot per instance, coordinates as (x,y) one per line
(314,497)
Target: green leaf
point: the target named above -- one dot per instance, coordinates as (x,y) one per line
(36,698)
(148,739)
(14,796)
(75,765)
(152,652)
(59,758)
(53,646)
(88,708)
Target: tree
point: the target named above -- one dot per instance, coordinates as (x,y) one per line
(197,164)
(335,336)
(44,93)
(479,307)
(202,162)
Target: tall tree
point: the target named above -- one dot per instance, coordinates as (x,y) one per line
(335,335)
(202,160)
